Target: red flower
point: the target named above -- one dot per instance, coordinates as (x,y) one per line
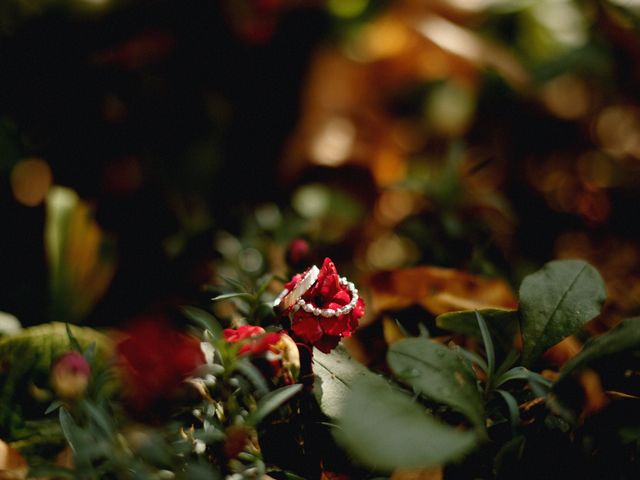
(327,293)
(279,351)
(156,359)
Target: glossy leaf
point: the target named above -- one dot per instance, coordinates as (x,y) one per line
(557,301)
(439,374)
(335,373)
(385,429)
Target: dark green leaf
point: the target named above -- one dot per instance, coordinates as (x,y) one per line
(264,283)
(229,296)
(235,283)
(69,428)
(100,418)
(384,429)
(335,373)
(54,406)
(488,348)
(245,367)
(624,338)
(73,341)
(507,462)
(502,324)
(271,401)
(512,407)
(439,374)
(557,301)
(202,318)
(521,373)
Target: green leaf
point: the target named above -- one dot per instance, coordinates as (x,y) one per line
(100,418)
(229,296)
(69,428)
(507,461)
(557,301)
(335,373)
(384,429)
(488,348)
(72,339)
(439,374)
(203,319)
(512,406)
(245,367)
(502,324)
(54,406)
(521,373)
(271,401)
(623,338)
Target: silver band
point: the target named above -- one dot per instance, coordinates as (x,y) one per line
(294,298)
(288,299)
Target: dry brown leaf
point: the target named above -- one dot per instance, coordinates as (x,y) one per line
(439,290)
(423,474)
(595,398)
(391,331)
(562,352)
(12,464)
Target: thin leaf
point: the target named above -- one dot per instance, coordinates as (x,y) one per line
(73,341)
(521,373)
(69,427)
(202,318)
(512,406)
(254,376)
(555,302)
(99,417)
(235,283)
(272,401)
(502,323)
(229,296)
(488,348)
(54,406)
(384,429)
(511,358)
(262,286)
(473,358)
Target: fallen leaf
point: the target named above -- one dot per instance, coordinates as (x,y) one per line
(562,352)
(439,290)
(423,474)
(595,398)
(12,464)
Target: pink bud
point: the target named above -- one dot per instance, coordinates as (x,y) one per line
(70,375)
(298,252)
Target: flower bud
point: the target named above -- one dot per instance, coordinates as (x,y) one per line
(298,253)
(70,375)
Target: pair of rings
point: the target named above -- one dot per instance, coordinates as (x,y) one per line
(293,299)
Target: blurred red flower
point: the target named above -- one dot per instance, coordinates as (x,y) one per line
(156,359)
(278,350)
(327,293)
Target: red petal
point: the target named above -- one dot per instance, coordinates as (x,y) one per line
(327,343)
(336,325)
(307,328)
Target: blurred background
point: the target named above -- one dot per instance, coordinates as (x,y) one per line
(147,147)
